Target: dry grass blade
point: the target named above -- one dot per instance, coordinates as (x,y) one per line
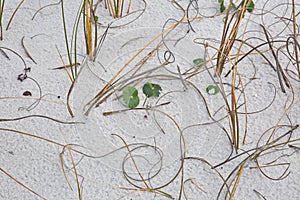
(75,172)
(31,135)
(14,13)
(120,8)
(129,5)
(279,69)
(194,184)
(27,188)
(52,4)
(63,169)
(4,54)
(234,116)
(26,51)
(295,37)
(238,178)
(134,163)
(65,66)
(115,7)
(1,15)
(88,27)
(259,194)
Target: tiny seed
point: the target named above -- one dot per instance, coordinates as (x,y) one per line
(27,93)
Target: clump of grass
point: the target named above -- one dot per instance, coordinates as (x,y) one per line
(87,10)
(228,39)
(116,7)
(230,30)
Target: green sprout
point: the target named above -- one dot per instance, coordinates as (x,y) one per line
(131,97)
(250,8)
(151,90)
(212,90)
(198,62)
(222,7)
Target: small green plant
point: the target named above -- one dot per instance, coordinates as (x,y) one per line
(250,6)
(130,94)
(222,6)
(212,90)
(151,90)
(198,62)
(131,97)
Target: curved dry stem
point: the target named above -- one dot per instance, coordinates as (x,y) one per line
(21,184)
(14,13)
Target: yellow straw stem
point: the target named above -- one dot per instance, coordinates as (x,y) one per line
(237,181)
(89,28)
(234,115)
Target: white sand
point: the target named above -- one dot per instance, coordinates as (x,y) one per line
(159,138)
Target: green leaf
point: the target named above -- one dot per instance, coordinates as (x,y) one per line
(96,18)
(212,90)
(250,7)
(198,62)
(151,90)
(222,7)
(233,6)
(130,97)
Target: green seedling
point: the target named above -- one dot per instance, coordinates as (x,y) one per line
(131,97)
(222,6)
(250,8)
(198,62)
(212,90)
(151,90)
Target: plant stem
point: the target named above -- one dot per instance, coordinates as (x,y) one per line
(295,35)
(88,23)
(14,13)
(66,38)
(74,38)
(1,14)
(227,42)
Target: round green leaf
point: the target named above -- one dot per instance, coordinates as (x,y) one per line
(198,62)
(151,90)
(250,7)
(212,90)
(130,97)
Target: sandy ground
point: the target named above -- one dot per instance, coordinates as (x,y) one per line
(170,143)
